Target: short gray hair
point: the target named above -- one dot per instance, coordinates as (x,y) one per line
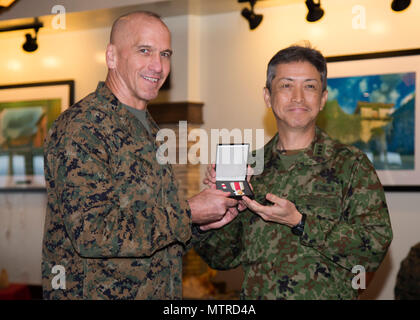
(125,17)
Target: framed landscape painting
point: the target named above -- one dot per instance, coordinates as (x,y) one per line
(373,105)
(27,111)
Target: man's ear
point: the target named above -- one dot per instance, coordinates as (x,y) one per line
(267,97)
(324,98)
(111,56)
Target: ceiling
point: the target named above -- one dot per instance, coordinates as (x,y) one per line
(81,14)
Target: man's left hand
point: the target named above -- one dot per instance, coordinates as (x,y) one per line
(282,211)
(230,214)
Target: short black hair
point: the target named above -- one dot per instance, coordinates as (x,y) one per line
(296,53)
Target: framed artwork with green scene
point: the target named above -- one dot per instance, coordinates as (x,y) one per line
(373,104)
(27,111)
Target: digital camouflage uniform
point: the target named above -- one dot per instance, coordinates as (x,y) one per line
(114,220)
(347,225)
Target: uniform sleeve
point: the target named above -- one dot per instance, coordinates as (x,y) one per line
(110,216)
(222,248)
(362,234)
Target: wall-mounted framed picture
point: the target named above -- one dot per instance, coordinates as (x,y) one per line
(373,104)
(27,111)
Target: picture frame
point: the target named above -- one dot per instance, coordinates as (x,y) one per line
(387,115)
(27,111)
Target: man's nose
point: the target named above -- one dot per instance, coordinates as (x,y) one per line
(156,63)
(297,94)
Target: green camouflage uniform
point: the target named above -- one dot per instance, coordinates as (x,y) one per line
(347,225)
(114,220)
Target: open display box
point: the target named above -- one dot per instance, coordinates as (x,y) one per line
(231,170)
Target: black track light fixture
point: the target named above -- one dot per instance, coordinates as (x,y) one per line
(315,12)
(253,18)
(30,44)
(400,5)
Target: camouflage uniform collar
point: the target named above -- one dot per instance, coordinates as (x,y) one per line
(319,151)
(105,94)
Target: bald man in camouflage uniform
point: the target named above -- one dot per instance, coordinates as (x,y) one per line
(115,224)
(319,210)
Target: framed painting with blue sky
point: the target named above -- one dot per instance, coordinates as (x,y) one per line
(27,111)
(372,104)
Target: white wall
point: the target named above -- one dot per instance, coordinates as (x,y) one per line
(21,225)
(73,55)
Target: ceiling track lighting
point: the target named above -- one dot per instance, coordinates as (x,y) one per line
(253,18)
(400,5)
(30,44)
(315,12)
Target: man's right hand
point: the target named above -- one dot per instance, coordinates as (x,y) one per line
(210,181)
(210,205)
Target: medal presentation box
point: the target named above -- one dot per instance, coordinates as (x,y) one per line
(231,169)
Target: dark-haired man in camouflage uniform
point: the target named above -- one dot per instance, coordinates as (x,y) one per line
(115,226)
(320,209)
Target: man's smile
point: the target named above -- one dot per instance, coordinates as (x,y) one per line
(152,79)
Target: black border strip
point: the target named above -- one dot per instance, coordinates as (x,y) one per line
(374,55)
